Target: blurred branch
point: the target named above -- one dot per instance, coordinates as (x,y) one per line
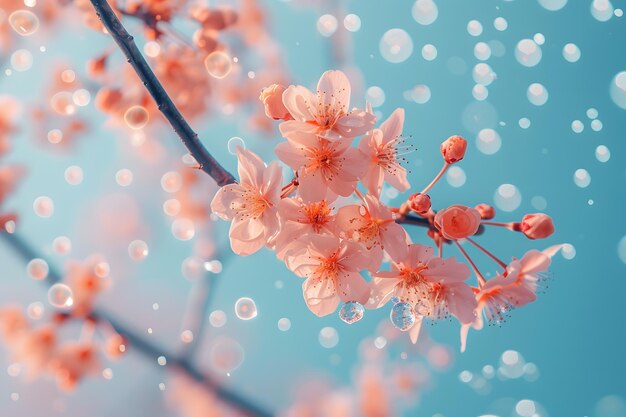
(142,345)
(167,107)
(414,220)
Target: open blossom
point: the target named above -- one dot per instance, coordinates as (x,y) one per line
(537,226)
(457,222)
(299,218)
(74,361)
(326,112)
(326,168)
(374,226)
(81,277)
(516,287)
(433,285)
(381,153)
(250,204)
(272,99)
(331,267)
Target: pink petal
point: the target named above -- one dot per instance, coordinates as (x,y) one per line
(299,101)
(320,296)
(415,330)
(392,127)
(250,167)
(223,199)
(461,302)
(352,287)
(290,155)
(334,89)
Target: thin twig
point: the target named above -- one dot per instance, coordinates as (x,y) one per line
(142,345)
(414,220)
(189,138)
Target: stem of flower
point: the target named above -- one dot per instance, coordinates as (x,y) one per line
(510,226)
(437,178)
(486,252)
(165,104)
(144,346)
(481,279)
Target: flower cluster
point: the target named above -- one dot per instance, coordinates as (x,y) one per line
(330,226)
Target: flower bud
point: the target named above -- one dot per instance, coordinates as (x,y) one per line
(419,203)
(272,99)
(537,226)
(453,149)
(486,211)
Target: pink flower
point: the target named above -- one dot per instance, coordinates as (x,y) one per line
(537,226)
(453,149)
(298,219)
(486,211)
(457,222)
(74,361)
(272,99)
(374,226)
(250,204)
(516,287)
(419,203)
(331,268)
(326,168)
(325,113)
(434,286)
(85,284)
(380,149)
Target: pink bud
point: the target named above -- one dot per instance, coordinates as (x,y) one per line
(457,222)
(453,149)
(537,226)
(272,99)
(419,203)
(486,211)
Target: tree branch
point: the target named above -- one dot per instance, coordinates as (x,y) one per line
(142,345)
(189,138)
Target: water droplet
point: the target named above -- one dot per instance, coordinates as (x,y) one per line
(571,52)
(351,312)
(327,25)
(186,336)
(500,24)
(60,296)
(539,38)
(482,51)
(35,310)
(138,250)
(152,49)
(603,154)
(456,176)
(537,94)
(352,22)
(43,206)
(488,141)
(183,229)
(375,96)
(74,175)
(245,308)
(480,92)
(602,10)
(507,197)
(226,355)
(124,177)
(429,52)
(284,324)
(235,142)
(402,316)
(582,178)
(218,64)
(524,123)
(578,126)
(474,28)
(528,53)
(37,269)
(328,337)
(62,245)
(24,22)
(596,125)
(217,318)
(425,12)
(136,117)
(63,103)
(553,5)
(21,60)
(420,94)
(483,74)
(568,251)
(396,46)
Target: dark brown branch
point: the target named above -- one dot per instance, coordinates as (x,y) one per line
(414,220)
(189,138)
(146,347)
